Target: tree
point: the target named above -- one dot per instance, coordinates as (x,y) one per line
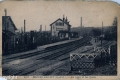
(115,22)
(114,29)
(111,33)
(96,32)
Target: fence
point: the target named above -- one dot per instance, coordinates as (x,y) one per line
(82,61)
(27,41)
(100,57)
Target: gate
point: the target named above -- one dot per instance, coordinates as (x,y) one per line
(82,61)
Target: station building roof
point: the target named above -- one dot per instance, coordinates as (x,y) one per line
(62,21)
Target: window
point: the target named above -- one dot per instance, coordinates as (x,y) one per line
(53,27)
(59,24)
(59,29)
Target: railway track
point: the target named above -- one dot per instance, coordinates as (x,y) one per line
(65,50)
(91,50)
(60,47)
(32,54)
(56,54)
(50,57)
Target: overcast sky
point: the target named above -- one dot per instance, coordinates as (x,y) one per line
(118,1)
(44,13)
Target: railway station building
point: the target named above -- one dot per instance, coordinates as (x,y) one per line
(60,28)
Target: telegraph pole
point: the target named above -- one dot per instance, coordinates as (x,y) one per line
(24,35)
(80,26)
(102,34)
(81,22)
(24,27)
(45,27)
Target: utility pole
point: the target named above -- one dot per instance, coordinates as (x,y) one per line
(45,27)
(24,27)
(24,35)
(102,34)
(80,26)
(81,22)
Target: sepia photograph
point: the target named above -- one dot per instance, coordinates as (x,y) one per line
(59,38)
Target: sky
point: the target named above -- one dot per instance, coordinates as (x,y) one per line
(118,1)
(44,13)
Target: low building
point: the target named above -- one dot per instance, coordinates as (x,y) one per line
(74,35)
(59,26)
(8,33)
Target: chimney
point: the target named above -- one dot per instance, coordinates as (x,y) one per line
(21,30)
(63,18)
(66,19)
(24,26)
(81,21)
(5,10)
(40,28)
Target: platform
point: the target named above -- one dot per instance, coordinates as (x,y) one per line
(40,48)
(57,43)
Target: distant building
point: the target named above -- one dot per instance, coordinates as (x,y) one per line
(83,31)
(60,27)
